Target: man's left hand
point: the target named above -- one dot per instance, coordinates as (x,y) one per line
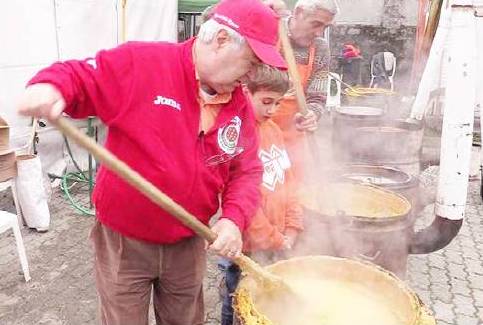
(307,122)
(229,240)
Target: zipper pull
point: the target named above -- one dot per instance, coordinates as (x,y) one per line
(201,137)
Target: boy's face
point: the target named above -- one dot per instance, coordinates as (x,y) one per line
(265,103)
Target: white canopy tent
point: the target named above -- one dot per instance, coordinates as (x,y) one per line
(36,33)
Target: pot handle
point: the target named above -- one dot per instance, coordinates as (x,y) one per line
(370,258)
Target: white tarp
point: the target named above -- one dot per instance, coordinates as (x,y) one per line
(36,33)
(85,26)
(152,20)
(28,42)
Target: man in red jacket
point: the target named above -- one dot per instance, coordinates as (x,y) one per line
(177,115)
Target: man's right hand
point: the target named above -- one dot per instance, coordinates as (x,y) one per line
(229,241)
(307,122)
(41,100)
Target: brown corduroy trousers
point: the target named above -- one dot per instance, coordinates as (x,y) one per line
(127,272)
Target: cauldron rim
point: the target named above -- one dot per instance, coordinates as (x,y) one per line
(420,315)
(345,219)
(346,110)
(362,221)
(399,124)
(403,179)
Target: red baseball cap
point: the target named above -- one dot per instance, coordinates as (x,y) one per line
(257,23)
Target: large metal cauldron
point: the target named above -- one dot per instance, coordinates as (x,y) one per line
(347,118)
(358,221)
(388,178)
(388,143)
(331,291)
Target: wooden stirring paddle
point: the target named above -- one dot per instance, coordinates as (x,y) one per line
(299,90)
(152,192)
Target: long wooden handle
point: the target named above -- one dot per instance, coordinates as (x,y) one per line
(33,132)
(299,90)
(292,68)
(147,188)
(134,179)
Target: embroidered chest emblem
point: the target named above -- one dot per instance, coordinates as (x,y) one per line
(275,162)
(228,135)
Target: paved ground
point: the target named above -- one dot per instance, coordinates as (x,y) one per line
(450,281)
(62,291)
(62,287)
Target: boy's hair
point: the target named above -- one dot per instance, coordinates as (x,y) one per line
(269,79)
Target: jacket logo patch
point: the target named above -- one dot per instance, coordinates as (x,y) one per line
(275,162)
(228,136)
(161,100)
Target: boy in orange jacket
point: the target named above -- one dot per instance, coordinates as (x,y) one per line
(274,229)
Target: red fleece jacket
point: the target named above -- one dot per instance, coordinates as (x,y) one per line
(146,93)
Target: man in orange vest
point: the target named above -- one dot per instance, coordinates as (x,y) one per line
(306,25)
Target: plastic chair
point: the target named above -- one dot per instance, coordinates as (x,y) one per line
(383,66)
(11,221)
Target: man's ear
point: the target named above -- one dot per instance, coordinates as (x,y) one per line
(222,38)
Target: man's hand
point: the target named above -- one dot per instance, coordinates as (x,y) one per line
(229,240)
(307,122)
(41,100)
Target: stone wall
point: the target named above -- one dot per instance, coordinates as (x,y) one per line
(372,39)
(375,26)
(395,32)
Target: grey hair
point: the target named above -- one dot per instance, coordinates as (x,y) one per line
(211,27)
(331,6)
